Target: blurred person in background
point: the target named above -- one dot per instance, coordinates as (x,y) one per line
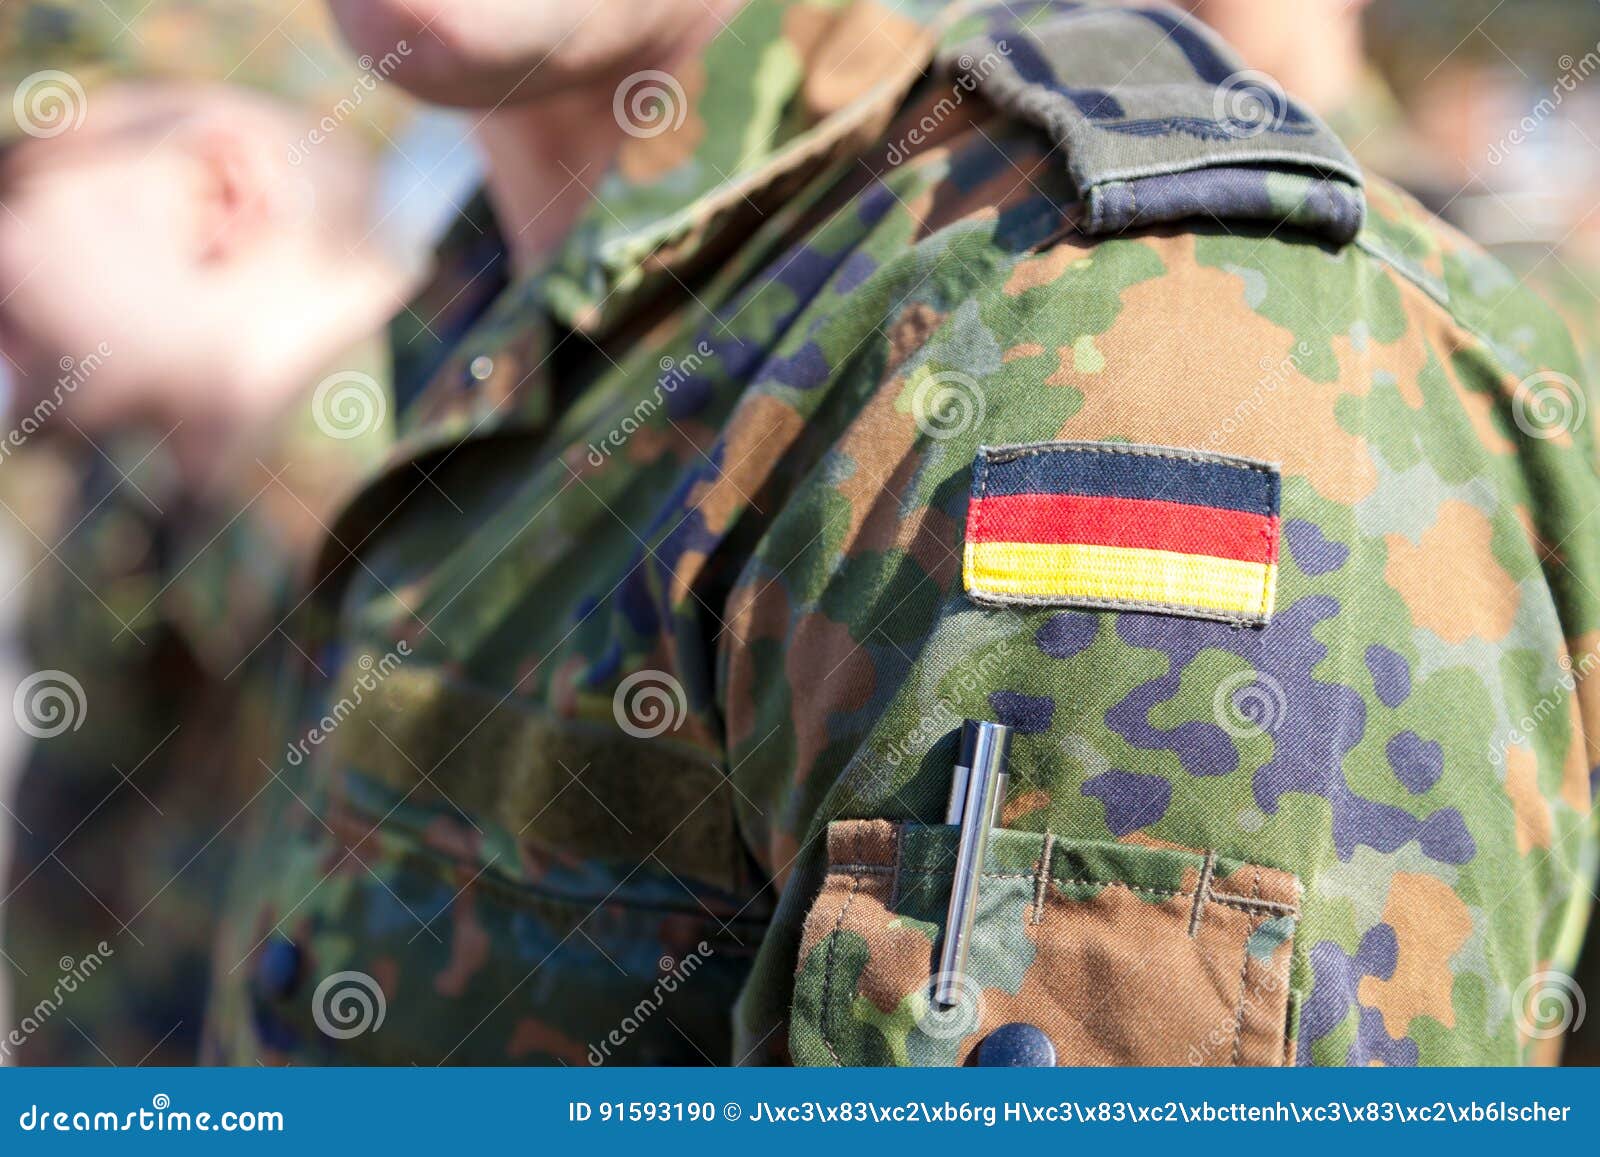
(177,271)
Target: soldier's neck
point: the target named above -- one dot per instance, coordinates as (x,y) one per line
(545,158)
(544,161)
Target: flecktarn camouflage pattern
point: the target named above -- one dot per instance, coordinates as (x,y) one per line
(644,655)
(1118,953)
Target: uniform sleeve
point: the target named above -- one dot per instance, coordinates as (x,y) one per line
(1277,812)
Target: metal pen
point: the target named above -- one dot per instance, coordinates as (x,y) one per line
(976,797)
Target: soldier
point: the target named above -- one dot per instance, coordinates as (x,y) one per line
(171,283)
(913,363)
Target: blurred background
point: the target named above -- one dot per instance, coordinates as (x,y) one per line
(1500,95)
(1487,110)
(129,129)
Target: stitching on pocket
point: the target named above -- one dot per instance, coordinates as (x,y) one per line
(899,855)
(1252,904)
(1244,973)
(1200,892)
(1263,909)
(1042,883)
(827,970)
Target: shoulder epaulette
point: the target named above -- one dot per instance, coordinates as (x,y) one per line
(1158,120)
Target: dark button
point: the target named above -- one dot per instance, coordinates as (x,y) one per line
(1019,1046)
(278,969)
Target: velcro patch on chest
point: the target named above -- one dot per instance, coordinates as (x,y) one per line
(1112,526)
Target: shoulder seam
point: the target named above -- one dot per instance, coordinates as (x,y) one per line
(1442,301)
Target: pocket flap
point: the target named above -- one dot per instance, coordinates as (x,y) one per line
(1122,954)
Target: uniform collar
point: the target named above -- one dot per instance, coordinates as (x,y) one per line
(787,88)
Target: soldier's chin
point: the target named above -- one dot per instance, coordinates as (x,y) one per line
(486,53)
(462,53)
(466,82)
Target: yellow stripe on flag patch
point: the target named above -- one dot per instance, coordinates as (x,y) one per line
(1118,576)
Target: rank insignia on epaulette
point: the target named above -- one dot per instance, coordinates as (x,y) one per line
(1115,526)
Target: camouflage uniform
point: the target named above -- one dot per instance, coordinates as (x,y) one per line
(675,591)
(157,614)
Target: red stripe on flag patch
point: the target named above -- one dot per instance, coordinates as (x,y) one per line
(1145,524)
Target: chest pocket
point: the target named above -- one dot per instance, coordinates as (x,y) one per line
(564,791)
(1120,954)
(517,887)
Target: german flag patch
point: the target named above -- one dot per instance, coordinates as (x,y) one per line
(1123,527)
